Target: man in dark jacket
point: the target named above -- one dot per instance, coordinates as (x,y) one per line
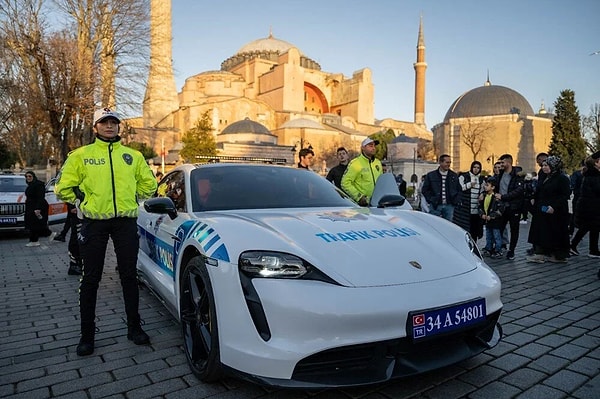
(335,174)
(511,191)
(441,189)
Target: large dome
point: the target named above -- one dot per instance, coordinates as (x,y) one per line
(266,44)
(268,48)
(488,100)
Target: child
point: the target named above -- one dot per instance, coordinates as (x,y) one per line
(489,210)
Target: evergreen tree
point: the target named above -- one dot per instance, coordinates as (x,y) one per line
(199,140)
(384,138)
(567,141)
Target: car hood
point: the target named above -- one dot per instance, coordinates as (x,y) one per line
(354,246)
(12,197)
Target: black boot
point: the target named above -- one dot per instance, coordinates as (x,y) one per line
(136,334)
(74,269)
(86,343)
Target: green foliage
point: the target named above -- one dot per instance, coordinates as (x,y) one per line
(384,137)
(147,152)
(199,140)
(567,141)
(7,157)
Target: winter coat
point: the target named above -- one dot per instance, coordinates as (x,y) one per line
(432,188)
(36,200)
(587,209)
(515,196)
(360,177)
(551,230)
(494,211)
(335,175)
(469,203)
(104,171)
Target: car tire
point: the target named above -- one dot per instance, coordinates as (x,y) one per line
(198,318)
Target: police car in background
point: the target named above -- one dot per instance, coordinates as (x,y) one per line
(12,203)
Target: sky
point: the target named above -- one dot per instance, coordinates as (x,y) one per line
(537,48)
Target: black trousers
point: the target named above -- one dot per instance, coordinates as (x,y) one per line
(92,243)
(512,218)
(75,228)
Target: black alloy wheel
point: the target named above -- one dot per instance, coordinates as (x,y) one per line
(199,322)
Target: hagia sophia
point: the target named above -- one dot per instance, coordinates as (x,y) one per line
(270,99)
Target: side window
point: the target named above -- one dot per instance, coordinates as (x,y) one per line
(173,186)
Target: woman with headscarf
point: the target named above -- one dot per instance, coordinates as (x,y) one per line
(466,215)
(36,210)
(549,231)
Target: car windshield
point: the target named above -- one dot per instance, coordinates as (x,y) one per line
(242,186)
(12,184)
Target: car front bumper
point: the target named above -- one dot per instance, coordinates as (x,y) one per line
(325,335)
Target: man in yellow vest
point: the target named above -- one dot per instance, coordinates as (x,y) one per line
(362,173)
(105,179)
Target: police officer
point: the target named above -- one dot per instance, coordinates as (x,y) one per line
(362,173)
(105,179)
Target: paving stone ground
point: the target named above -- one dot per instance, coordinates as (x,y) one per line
(551,347)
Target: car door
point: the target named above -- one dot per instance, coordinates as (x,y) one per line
(159,238)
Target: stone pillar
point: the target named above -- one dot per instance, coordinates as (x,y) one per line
(161,92)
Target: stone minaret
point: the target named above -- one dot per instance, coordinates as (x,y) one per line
(420,67)
(161,93)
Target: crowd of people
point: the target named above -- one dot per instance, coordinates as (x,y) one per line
(562,209)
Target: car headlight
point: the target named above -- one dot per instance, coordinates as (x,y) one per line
(271,264)
(473,246)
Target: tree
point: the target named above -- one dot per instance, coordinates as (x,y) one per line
(98,57)
(474,133)
(567,141)
(591,128)
(199,140)
(385,137)
(425,150)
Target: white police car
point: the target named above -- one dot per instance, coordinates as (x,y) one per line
(278,277)
(12,203)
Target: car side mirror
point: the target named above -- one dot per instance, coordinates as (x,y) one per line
(391,200)
(161,205)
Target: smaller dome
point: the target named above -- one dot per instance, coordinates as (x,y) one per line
(302,123)
(489,100)
(403,138)
(246,126)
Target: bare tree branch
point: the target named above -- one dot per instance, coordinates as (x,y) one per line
(474,134)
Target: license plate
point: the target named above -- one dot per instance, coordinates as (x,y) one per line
(8,220)
(428,323)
